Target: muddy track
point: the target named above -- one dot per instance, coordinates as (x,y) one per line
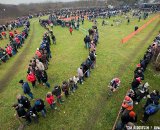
(94,114)
(15,67)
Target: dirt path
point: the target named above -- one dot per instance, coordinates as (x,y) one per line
(94,114)
(15,67)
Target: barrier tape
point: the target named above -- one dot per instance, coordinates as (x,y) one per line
(127,38)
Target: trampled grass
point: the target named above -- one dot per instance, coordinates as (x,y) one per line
(88,107)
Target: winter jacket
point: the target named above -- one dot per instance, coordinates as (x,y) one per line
(57,91)
(135,84)
(80,72)
(40,65)
(31,77)
(38,53)
(50,99)
(65,87)
(152,109)
(125,118)
(9,50)
(26,88)
(39,105)
(24,101)
(44,77)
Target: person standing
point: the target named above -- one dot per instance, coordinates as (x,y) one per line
(32,78)
(26,88)
(24,101)
(151,109)
(65,88)
(44,79)
(71,30)
(57,92)
(39,106)
(51,101)
(80,75)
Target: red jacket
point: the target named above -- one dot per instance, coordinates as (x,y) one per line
(38,53)
(3,33)
(17,40)
(50,100)
(70,29)
(11,34)
(31,77)
(9,50)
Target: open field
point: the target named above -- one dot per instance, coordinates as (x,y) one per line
(89,108)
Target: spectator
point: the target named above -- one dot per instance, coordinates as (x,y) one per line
(57,92)
(140,74)
(38,75)
(44,79)
(65,88)
(152,97)
(40,107)
(80,75)
(141,92)
(4,34)
(39,65)
(32,78)
(24,101)
(21,112)
(51,101)
(136,82)
(26,88)
(71,30)
(128,116)
(151,109)
(53,37)
(127,103)
(9,50)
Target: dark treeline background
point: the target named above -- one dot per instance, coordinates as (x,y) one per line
(8,12)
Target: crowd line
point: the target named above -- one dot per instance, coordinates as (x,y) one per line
(37,72)
(138,92)
(16,39)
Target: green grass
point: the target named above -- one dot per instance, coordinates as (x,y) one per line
(86,109)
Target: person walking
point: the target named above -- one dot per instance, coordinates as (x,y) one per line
(26,88)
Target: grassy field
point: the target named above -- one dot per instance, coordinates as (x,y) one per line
(89,108)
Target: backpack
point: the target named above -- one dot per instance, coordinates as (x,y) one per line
(151,109)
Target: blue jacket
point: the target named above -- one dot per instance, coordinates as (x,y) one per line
(26,88)
(152,109)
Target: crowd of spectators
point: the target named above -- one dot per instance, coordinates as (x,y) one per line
(16,39)
(37,73)
(139,91)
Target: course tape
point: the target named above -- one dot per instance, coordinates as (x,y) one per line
(125,39)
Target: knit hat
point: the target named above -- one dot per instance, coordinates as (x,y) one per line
(138,65)
(132,114)
(138,79)
(127,98)
(21,81)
